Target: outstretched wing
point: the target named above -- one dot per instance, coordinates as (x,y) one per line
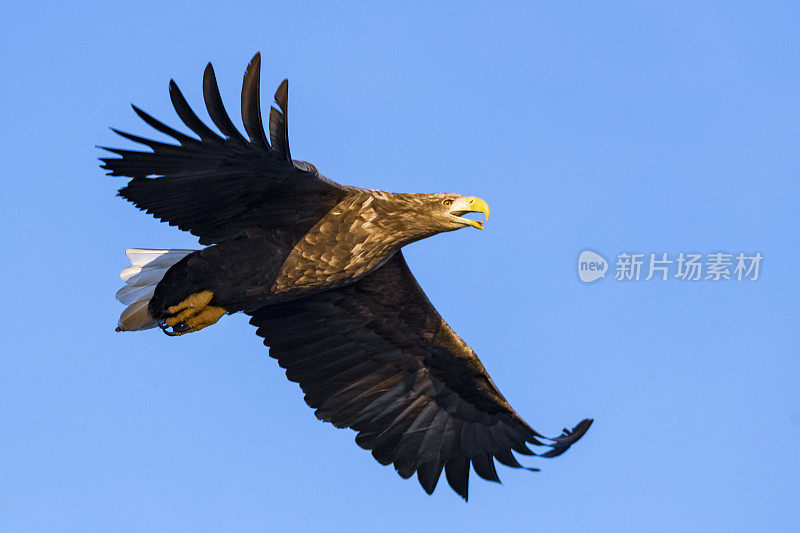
(375,356)
(219,187)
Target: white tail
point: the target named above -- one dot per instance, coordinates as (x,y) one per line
(147,269)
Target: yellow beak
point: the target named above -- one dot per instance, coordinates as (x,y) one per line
(470,204)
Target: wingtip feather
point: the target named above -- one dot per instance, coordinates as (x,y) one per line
(215,107)
(251,104)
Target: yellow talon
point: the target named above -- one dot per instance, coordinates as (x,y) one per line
(193,314)
(208,316)
(198,299)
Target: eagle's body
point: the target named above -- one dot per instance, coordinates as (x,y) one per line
(356,236)
(318,266)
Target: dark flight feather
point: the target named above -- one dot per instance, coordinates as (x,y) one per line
(457,473)
(216,110)
(428,475)
(182,138)
(251,104)
(188,116)
(484,467)
(278,123)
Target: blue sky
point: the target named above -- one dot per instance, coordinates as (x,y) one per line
(610,127)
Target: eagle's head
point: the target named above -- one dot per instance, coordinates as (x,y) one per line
(448,210)
(416,216)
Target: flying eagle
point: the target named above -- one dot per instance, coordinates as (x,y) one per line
(318,267)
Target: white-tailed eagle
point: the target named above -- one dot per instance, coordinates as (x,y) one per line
(318,266)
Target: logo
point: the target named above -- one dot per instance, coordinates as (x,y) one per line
(591,266)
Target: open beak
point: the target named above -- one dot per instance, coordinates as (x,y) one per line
(469,204)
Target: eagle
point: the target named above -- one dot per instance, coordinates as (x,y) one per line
(319,269)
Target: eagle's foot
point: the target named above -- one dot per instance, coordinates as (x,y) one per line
(196,300)
(192,314)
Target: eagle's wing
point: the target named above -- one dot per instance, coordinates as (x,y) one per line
(377,357)
(219,187)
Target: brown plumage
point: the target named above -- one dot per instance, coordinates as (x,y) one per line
(318,267)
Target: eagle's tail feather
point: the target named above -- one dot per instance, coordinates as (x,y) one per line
(147,269)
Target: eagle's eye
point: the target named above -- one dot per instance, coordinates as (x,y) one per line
(447,202)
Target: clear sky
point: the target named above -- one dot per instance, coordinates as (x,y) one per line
(610,127)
